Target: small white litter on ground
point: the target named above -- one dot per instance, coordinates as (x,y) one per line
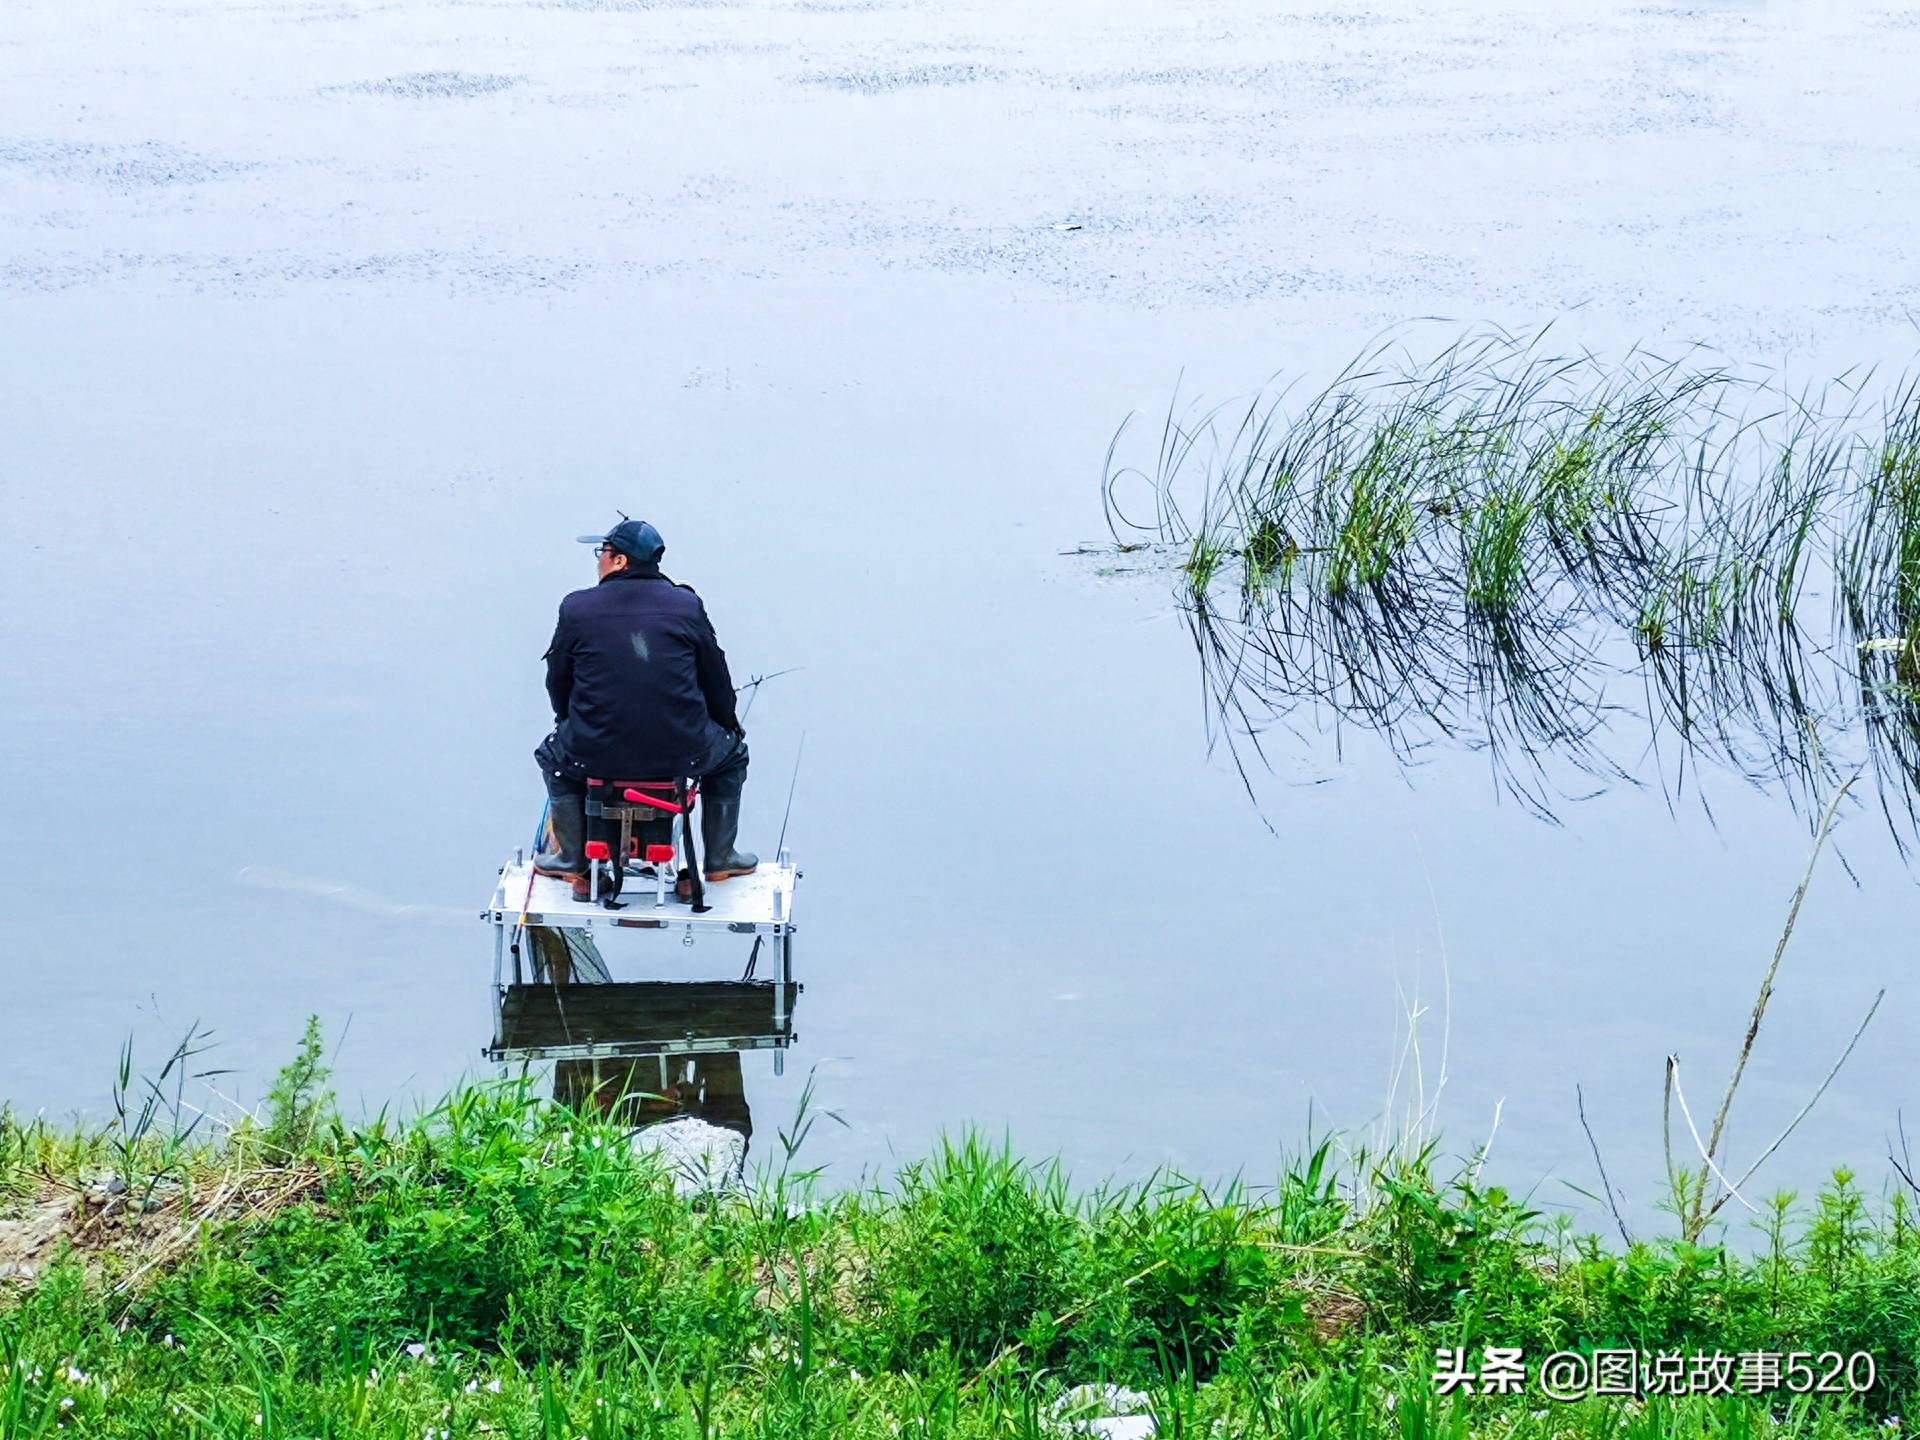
(1111,1412)
(703,1159)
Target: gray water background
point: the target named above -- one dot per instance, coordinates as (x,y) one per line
(324,327)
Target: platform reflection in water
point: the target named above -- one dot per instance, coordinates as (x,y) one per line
(661,1055)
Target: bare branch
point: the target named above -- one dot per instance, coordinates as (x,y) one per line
(1606,1185)
(1690,1225)
(1779,950)
(1807,1108)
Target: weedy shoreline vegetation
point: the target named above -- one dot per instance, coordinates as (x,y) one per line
(1522,551)
(502,1265)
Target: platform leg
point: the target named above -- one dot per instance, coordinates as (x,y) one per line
(782,972)
(499,961)
(779,995)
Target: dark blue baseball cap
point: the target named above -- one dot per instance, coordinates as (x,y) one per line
(635,539)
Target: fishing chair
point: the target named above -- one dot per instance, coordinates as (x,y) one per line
(643,823)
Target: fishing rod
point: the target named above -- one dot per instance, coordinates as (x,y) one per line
(752,687)
(526,903)
(792,785)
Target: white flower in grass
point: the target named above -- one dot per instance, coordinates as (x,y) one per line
(493,1387)
(75,1375)
(66,1402)
(470,1387)
(416,1350)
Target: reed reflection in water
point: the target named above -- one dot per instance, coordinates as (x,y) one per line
(1590,571)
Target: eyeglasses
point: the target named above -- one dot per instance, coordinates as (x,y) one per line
(601,550)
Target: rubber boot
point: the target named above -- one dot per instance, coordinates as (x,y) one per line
(719,828)
(568,816)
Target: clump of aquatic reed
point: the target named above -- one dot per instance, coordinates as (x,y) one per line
(1878,569)
(1517,550)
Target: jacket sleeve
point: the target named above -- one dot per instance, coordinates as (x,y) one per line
(559,659)
(716,681)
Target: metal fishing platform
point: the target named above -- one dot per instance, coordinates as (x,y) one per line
(554,995)
(756,904)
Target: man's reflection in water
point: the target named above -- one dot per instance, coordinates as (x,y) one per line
(650,1089)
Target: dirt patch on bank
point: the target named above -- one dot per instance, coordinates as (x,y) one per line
(123,1234)
(27,1238)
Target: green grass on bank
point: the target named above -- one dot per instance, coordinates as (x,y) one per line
(501,1266)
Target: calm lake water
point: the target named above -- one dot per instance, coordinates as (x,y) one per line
(325,327)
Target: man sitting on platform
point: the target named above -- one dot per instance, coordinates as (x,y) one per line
(640,691)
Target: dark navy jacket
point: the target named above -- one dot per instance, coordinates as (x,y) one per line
(637,680)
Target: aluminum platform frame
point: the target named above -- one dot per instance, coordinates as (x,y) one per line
(760,904)
(626,1019)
